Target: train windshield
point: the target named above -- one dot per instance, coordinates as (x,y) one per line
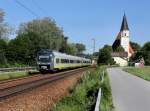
(44,58)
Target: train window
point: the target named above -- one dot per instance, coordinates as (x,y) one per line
(57,60)
(62,60)
(67,60)
(71,61)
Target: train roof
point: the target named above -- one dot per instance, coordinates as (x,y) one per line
(59,54)
(69,56)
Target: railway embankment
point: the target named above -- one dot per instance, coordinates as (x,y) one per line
(41,98)
(83,95)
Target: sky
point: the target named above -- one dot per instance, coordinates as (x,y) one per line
(83,20)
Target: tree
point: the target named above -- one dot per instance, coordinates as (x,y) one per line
(80,47)
(135,46)
(105,55)
(95,54)
(18,50)
(46,29)
(64,47)
(33,36)
(143,52)
(108,47)
(146,46)
(71,49)
(4,29)
(146,53)
(3,47)
(119,49)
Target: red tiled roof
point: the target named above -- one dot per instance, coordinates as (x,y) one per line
(130,49)
(119,54)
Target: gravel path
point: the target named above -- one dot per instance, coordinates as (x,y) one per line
(41,98)
(130,93)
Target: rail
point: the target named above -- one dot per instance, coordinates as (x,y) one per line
(12,89)
(16,69)
(98,101)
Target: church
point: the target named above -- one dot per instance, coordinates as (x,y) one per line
(122,41)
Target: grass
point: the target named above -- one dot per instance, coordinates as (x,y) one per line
(83,95)
(106,98)
(140,72)
(12,75)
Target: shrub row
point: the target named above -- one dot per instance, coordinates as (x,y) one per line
(83,96)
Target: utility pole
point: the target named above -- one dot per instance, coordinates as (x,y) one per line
(93,39)
(93,58)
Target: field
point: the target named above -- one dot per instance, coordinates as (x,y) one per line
(140,72)
(83,95)
(12,75)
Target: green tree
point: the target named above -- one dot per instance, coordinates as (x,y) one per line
(119,49)
(71,49)
(80,47)
(146,53)
(108,47)
(4,32)
(143,52)
(18,50)
(33,36)
(4,28)
(46,29)
(135,46)
(146,46)
(105,55)
(3,47)
(65,46)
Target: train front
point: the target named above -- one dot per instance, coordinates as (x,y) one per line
(45,60)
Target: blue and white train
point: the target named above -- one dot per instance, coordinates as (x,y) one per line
(49,60)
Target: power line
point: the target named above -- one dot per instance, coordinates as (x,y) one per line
(29,10)
(38,6)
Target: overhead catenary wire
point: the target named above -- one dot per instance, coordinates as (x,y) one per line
(26,8)
(38,6)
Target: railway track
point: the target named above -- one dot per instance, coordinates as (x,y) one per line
(16,69)
(16,86)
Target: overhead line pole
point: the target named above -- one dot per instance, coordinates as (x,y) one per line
(93,39)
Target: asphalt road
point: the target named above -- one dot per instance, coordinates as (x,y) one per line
(130,93)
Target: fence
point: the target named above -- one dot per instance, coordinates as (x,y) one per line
(97,106)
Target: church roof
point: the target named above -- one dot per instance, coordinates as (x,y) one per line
(117,41)
(124,25)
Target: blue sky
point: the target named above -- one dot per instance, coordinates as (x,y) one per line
(83,20)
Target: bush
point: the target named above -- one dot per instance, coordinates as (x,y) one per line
(83,96)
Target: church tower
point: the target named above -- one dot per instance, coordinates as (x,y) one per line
(123,39)
(124,32)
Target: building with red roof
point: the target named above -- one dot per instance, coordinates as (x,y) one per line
(122,40)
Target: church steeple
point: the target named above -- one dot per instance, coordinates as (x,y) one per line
(124,25)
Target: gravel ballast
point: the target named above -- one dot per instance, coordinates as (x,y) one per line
(41,98)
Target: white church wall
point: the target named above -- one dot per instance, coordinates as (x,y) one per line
(120,61)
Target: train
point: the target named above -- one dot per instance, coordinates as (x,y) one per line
(49,60)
